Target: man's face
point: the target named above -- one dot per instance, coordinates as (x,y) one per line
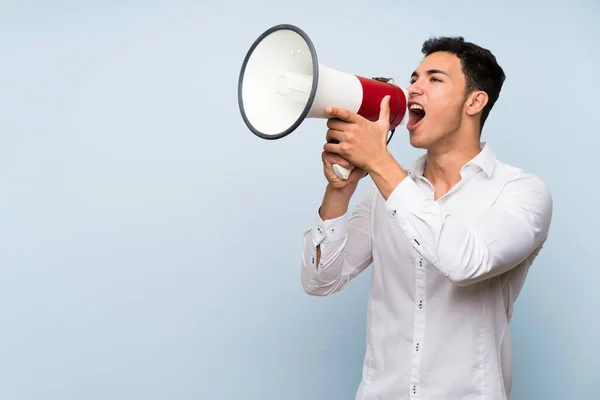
(437,91)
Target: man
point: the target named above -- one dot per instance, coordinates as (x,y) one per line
(450,238)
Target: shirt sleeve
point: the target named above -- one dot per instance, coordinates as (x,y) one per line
(346,250)
(505,235)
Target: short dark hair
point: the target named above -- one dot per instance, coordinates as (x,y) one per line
(479,65)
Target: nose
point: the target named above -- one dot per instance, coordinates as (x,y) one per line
(414,89)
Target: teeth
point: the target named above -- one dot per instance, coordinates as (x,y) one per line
(416,107)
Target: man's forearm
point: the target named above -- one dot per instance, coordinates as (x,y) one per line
(387,175)
(335,202)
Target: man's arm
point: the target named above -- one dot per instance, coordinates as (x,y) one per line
(504,236)
(498,240)
(335,250)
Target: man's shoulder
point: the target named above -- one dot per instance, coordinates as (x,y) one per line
(514,174)
(528,188)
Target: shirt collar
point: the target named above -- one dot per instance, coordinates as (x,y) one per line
(486,160)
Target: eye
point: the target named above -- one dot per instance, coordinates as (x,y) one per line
(435,79)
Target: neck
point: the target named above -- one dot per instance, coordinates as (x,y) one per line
(444,162)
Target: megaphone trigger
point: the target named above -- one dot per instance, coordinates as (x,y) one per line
(282,82)
(341,172)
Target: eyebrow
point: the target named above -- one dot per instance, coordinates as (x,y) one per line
(430,72)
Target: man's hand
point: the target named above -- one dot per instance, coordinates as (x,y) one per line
(354,138)
(356,174)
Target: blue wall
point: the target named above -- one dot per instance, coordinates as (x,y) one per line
(148,246)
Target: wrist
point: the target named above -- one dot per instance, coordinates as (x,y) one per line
(387,174)
(380,164)
(335,202)
(340,192)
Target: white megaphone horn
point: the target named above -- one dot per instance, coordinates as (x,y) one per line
(282,82)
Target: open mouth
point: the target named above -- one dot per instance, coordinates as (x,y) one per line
(416,114)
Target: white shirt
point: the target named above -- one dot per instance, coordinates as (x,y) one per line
(445,275)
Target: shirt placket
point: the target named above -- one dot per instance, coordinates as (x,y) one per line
(419,323)
(419,328)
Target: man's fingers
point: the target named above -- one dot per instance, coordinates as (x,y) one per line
(384,111)
(332,158)
(337,124)
(341,113)
(335,148)
(334,136)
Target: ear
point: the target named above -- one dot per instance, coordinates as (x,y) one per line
(476,102)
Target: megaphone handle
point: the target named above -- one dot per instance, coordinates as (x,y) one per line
(341,172)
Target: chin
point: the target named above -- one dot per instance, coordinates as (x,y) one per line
(418,140)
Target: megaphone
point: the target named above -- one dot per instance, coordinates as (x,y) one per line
(282,82)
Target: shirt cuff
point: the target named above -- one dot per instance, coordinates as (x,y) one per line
(328,231)
(405,199)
